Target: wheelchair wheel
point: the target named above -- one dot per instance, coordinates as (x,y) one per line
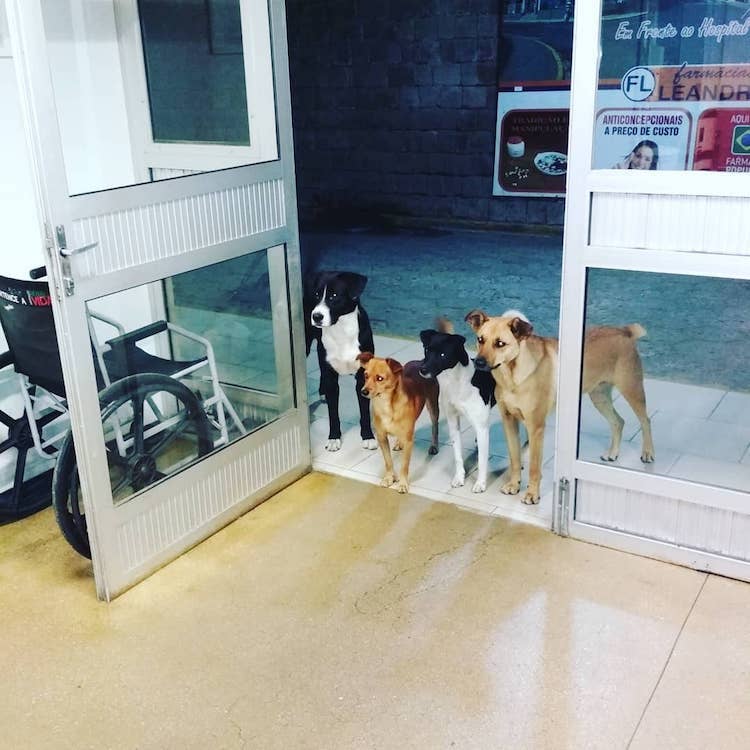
(143,445)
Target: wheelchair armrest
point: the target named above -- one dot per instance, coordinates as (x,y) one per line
(6,359)
(109,321)
(152,329)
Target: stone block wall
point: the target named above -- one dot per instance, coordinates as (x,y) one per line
(394,108)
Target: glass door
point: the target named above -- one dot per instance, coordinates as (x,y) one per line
(176,301)
(654,398)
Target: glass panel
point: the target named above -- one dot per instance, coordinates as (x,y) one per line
(674,362)
(206,366)
(195,70)
(183,109)
(674,86)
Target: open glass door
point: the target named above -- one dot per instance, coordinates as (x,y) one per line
(176,301)
(656,247)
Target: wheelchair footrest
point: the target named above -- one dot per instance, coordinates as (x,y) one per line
(36,494)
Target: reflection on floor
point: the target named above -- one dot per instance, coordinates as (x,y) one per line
(701,434)
(342,616)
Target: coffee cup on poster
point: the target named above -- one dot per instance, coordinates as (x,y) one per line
(516,147)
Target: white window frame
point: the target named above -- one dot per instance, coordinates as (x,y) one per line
(200,157)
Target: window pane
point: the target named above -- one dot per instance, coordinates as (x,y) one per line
(674,86)
(195,71)
(213,331)
(689,334)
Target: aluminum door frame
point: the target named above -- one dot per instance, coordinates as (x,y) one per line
(584,185)
(250,209)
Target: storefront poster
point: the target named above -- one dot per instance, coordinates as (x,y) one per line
(677,73)
(723,142)
(707,107)
(533,98)
(618,131)
(674,74)
(532,144)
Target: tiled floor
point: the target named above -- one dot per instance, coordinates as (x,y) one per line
(700,434)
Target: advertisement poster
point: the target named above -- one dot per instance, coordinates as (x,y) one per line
(674,91)
(532,144)
(619,132)
(531,139)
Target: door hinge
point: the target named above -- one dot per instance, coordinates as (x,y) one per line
(562,507)
(49,242)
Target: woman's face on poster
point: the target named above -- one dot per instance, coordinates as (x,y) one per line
(642,158)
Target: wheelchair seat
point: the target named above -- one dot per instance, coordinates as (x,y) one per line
(29,328)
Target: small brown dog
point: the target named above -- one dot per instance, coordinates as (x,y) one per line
(524,367)
(398,394)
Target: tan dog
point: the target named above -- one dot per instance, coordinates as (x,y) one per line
(398,395)
(524,367)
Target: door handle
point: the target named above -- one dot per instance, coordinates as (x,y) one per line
(69,284)
(62,243)
(67,253)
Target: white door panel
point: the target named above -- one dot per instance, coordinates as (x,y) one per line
(683,234)
(221,245)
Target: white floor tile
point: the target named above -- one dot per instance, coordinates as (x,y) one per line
(351,452)
(734,408)
(686,400)
(591,447)
(700,437)
(710,471)
(388,346)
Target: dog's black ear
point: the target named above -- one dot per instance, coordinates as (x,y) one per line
(463,357)
(426,336)
(355,283)
(521,328)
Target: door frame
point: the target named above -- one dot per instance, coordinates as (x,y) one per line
(252,208)
(584,185)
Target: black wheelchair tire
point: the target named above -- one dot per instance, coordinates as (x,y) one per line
(69,515)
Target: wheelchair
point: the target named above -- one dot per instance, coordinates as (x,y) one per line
(155,415)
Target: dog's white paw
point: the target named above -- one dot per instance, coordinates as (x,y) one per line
(401,486)
(397,446)
(334,444)
(530,497)
(608,457)
(647,457)
(370,444)
(458,479)
(479,486)
(511,488)
(387,480)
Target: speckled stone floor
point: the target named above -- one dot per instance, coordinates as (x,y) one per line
(344,616)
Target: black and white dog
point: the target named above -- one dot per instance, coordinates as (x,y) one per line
(464,392)
(340,324)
